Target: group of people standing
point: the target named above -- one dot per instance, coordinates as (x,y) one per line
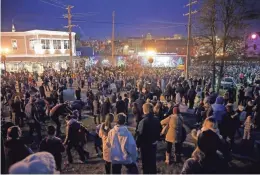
(157,102)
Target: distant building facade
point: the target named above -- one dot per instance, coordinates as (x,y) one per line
(37,48)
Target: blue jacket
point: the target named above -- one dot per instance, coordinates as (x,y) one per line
(219,111)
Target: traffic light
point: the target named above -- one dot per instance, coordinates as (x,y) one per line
(255,46)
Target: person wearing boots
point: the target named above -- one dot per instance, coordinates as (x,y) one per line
(174,134)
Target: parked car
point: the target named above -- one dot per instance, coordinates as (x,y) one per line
(227,82)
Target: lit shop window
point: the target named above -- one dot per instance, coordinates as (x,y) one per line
(45,44)
(57,44)
(66,44)
(14,44)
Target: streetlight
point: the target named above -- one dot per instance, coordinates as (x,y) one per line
(4,52)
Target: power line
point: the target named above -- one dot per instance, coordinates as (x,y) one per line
(58,2)
(52,4)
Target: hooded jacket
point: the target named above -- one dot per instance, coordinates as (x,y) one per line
(122,146)
(219,111)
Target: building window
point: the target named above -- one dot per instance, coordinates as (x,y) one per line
(66,44)
(14,44)
(45,44)
(57,44)
(32,43)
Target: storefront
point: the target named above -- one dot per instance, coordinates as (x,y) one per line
(38,64)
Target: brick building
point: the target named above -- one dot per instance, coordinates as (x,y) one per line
(34,49)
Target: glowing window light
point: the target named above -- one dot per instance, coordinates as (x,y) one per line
(38,49)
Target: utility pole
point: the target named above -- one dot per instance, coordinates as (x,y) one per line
(187,61)
(113,37)
(69,16)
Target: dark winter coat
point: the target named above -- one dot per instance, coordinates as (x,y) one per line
(54,146)
(15,151)
(148,131)
(120,107)
(105,108)
(209,165)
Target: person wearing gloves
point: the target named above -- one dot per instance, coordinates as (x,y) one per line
(122,147)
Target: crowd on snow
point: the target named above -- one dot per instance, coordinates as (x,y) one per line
(157,98)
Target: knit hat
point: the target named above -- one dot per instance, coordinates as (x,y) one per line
(38,163)
(219,100)
(208,141)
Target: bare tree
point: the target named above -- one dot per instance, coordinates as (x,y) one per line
(227,19)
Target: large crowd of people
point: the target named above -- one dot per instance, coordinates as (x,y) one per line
(157,98)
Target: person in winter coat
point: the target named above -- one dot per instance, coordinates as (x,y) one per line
(70,81)
(78,105)
(205,159)
(191,97)
(158,111)
(105,108)
(103,134)
(15,149)
(73,139)
(212,96)
(230,125)
(78,93)
(18,111)
(248,93)
(241,95)
(174,134)
(137,115)
(33,118)
(96,110)
(219,110)
(148,133)
(122,147)
(53,145)
(120,106)
(42,91)
(140,102)
(126,101)
(257,109)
